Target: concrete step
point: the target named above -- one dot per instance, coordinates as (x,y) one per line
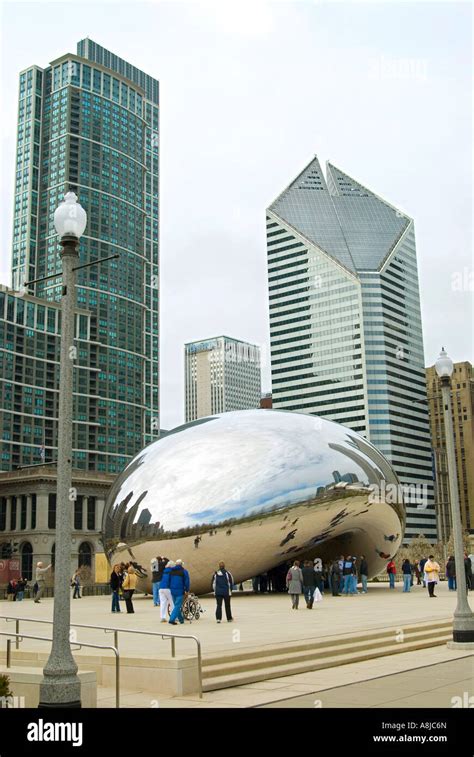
(289,648)
(293,668)
(249,661)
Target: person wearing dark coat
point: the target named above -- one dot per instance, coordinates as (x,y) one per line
(468,571)
(116,581)
(309,583)
(222,582)
(407,574)
(451,573)
(335,573)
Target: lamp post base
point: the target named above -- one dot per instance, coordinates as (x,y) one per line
(57,692)
(460,645)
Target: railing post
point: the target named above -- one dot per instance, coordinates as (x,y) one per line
(199,668)
(117,679)
(9,653)
(172,646)
(116,633)
(17,630)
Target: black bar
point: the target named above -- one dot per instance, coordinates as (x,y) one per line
(101,260)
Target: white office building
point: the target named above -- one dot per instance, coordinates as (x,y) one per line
(221,374)
(345,322)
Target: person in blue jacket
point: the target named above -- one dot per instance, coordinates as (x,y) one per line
(179,587)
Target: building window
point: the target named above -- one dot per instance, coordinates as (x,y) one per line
(26,560)
(3,513)
(85,555)
(33,511)
(91,514)
(78,513)
(23,512)
(53,554)
(51,510)
(13,515)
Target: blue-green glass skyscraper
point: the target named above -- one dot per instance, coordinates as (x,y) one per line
(90,122)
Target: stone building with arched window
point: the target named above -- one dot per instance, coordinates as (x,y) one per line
(28,518)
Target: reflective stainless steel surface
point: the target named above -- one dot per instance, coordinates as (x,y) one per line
(259,487)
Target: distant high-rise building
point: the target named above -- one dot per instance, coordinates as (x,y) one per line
(89,122)
(345,322)
(266,401)
(462,400)
(221,374)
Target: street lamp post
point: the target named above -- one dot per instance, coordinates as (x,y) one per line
(60,686)
(463,621)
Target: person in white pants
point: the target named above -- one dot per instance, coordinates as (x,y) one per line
(166,600)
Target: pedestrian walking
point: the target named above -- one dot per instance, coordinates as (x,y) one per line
(335,578)
(20,589)
(364,573)
(76,583)
(468,571)
(353,585)
(319,574)
(432,572)
(294,584)
(348,574)
(451,573)
(422,564)
(417,573)
(179,587)
(341,566)
(158,565)
(309,583)
(40,579)
(222,582)
(166,600)
(391,571)
(407,574)
(11,590)
(129,585)
(116,581)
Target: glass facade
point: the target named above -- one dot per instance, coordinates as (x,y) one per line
(92,126)
(29,370)
(345,322)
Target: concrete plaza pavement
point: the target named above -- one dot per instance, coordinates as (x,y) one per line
(259,620)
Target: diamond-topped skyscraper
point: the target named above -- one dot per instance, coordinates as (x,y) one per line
(345,322)
(89,122)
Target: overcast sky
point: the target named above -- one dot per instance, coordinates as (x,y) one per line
(250,92)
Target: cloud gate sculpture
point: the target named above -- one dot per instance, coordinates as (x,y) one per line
(256,488)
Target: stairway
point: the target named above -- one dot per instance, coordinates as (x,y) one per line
(250,665)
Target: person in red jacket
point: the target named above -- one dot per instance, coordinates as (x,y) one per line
(392,571)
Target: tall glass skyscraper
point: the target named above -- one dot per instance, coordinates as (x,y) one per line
(90,123)
(345,322)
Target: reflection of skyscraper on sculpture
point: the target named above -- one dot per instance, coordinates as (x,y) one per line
(345,322)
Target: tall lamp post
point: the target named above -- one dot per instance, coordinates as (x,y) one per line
(463,621)
(60,686)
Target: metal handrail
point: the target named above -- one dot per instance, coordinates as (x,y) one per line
(116,631)
(79,644)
